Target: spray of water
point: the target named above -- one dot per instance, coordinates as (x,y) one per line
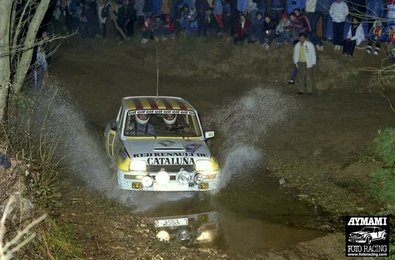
(243,123)
(82,151)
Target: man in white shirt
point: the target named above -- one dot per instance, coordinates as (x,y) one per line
(305,59)
(338,12)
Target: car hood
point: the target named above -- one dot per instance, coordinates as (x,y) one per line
(159,151)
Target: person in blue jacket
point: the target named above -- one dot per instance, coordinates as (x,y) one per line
(295,4)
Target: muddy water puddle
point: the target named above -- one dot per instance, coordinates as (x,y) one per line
(251,213)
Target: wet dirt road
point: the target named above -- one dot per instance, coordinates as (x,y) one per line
(252,211)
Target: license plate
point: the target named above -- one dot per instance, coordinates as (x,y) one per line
(171,222)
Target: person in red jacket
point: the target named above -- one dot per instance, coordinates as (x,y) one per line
(242,30)
(170,27)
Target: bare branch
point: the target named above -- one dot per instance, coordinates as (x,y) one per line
(6,252)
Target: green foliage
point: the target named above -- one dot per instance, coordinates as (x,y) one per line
(384,146)
(383,184)
(54,241)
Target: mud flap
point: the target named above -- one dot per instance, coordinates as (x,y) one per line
(111,140)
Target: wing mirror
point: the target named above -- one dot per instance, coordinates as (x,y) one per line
(113,125)
(209,134)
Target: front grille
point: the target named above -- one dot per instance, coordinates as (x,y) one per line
(170,168)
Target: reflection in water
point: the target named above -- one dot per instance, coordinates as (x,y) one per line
(208,223)
(188,230)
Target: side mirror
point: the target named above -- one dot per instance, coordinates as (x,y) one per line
(209,134)
(113,126)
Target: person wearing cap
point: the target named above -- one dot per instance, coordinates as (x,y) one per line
(304,58)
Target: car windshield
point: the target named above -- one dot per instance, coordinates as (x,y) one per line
(367,229)
(172,123)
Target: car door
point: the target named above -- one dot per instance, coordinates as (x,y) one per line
(111,138)
(375,233)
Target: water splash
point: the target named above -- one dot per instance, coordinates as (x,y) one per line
(243,124)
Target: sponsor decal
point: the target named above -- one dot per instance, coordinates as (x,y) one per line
(171,161)
(168,158)
(190,148)
(155,111)
(170,154)
(367,236)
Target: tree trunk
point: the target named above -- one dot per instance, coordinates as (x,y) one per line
(26,58)
(5,70)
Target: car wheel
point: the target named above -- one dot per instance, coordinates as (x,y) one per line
(384,236)
(368,240)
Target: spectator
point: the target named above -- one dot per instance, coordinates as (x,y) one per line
(218,12)
(277,9)
(139,6)
(313,16)
(131,17)
(170,27)
(376,36)
(355,36)
(242,6)
(295,4)
(189,21)
(338,12)
(209,23)
(304,58)
(40,68)
(256,33)
(297,26)
(201,7)
(269,31)
(146,30)
(374,11)
(103,9)
(322,9)
(243,30)
(158,28)
(282,31)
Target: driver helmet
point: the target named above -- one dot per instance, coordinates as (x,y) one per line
(142,118)
(170,119)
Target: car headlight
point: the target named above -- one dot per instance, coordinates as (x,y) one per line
(207,167)
(138,165)
(183,177)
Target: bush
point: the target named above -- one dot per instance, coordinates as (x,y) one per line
(384,177)
(384,147)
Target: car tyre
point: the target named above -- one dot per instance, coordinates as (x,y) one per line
(368,240)
(383,236)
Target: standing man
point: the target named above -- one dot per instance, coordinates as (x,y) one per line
(304,59)
(313,15)
(40,68)
(338,12)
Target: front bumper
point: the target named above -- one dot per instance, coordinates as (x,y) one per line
(357,240)
(172,185)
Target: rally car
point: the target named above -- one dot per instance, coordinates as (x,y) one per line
(159,145)
(367,234)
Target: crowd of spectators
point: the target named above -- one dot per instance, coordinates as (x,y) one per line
(344,23)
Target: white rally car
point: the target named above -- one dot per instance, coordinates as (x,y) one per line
(159,145)
(367,234)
